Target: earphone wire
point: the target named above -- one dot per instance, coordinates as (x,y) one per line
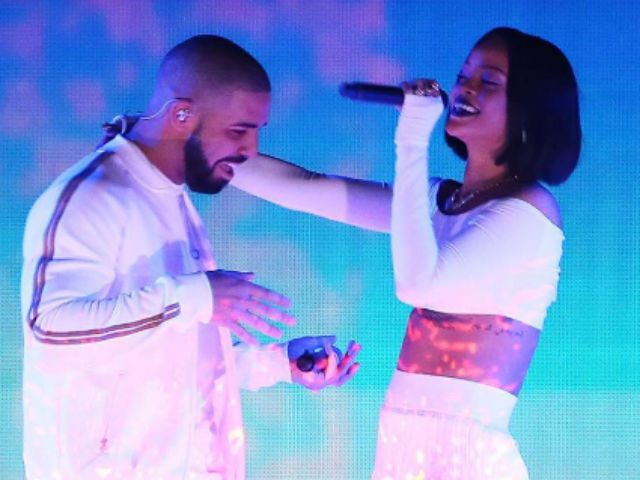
(160,110)
(123,121)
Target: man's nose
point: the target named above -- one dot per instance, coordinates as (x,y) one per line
(249,146)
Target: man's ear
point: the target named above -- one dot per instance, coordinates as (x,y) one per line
(181,116)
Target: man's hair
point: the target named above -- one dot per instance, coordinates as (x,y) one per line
(544,136)
(208,63)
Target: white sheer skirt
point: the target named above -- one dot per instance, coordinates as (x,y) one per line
(440,428)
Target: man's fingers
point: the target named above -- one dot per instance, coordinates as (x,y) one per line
(238,274)
(329,368)
(321,364)
(248,276)
(242,333)
(266,311)
(249,318)
(239,303)
(332,364)
(316,380)
(264,294)
(238,285)
(346,364)
(353,369)
(353,350)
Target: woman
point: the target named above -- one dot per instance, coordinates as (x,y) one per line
(479,260)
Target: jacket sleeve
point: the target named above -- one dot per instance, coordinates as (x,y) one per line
(76,314)
(261,366)
(361,203)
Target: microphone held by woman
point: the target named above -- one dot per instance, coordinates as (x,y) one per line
(371,92)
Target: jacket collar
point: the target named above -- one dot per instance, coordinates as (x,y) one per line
(137,163)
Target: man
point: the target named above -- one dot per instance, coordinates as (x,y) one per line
(129,368)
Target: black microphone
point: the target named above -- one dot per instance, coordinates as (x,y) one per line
(307,361)
(370,92)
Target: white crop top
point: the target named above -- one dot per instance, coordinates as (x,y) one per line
(501,257)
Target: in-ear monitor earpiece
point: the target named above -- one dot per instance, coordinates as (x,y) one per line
(182,114)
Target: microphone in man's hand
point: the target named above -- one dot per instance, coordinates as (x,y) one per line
(371,92)
(307,361)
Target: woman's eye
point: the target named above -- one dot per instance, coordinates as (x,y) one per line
(491,80)
(461,78)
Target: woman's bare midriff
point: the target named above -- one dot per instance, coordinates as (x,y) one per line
(489,349)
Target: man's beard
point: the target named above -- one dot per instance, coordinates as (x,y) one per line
(199,176)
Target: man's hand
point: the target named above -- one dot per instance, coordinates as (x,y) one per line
(328,369)
(237,303)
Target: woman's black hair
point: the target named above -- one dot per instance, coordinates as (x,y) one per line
(544,136)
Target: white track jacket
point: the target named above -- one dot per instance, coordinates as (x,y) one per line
(124,376)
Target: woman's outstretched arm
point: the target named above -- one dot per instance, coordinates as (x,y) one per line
(361,203)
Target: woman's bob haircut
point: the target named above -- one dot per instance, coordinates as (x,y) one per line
(544,136)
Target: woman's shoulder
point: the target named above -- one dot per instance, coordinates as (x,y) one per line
(543,200)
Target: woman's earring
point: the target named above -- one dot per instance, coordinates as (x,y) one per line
(524,136)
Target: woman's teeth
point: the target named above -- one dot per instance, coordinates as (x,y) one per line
(463,109)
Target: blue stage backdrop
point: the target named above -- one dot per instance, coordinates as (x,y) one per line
(66,66)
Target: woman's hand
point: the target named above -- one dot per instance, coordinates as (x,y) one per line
(422,87)
(423,104)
